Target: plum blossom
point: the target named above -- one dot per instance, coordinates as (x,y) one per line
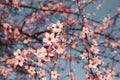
(18,53)
(49,38)
(94,49)
(82,36)
(31,70)
(5,72)
(54,75)
(13,3)
(84,55)
(106,22)
(41,52)
(18,61)
(94,42)
(94,62)
(19,58)
(99,74)
(41,73)
(57,27)
(58,48)
(118,11)
(26,41)
(86,30)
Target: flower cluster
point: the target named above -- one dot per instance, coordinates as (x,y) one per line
(99,75)
(94,62)
(55,39)
(11,33)
(53,46)
(5,72)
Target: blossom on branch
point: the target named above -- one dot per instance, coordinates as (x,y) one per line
(57,28)
(49,38)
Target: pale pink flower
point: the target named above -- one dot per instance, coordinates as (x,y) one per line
(113,44)
(57,27)
(49,38)
(18,61)
(44,52)
(58,48)
(118,11)
(10,61)
(31,70)
(82,36)
(70,74)
(94,49)
(94,42)
(50,53)
(41,52)
(99,6)
(6,25)
(5,72)
(106,21)
(44,78)
(26,41)
(41,73)
(39,62)
(54,75)
(98,73)
(47,58)
(94,62)
(15,2)
(18,53)
(23,3)
(86,30)
(84,55)
(1,7)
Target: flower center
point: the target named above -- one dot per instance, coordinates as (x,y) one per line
(49,39)
(57,27)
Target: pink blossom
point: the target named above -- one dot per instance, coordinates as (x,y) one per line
(94,49)
(18,53)
(94,62)
(84,55)
(31,70)
(58,48)
(118,11)
(18,61)
(5,72)
(49,38)
(54,75)
(86,30)
(94,42)
(41,73)
(82,36)
(57,27)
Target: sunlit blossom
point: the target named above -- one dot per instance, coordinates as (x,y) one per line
(58,49)
(41,73)
(57,27)
(49,38)
(18,53)
(18,61)
(54,74)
